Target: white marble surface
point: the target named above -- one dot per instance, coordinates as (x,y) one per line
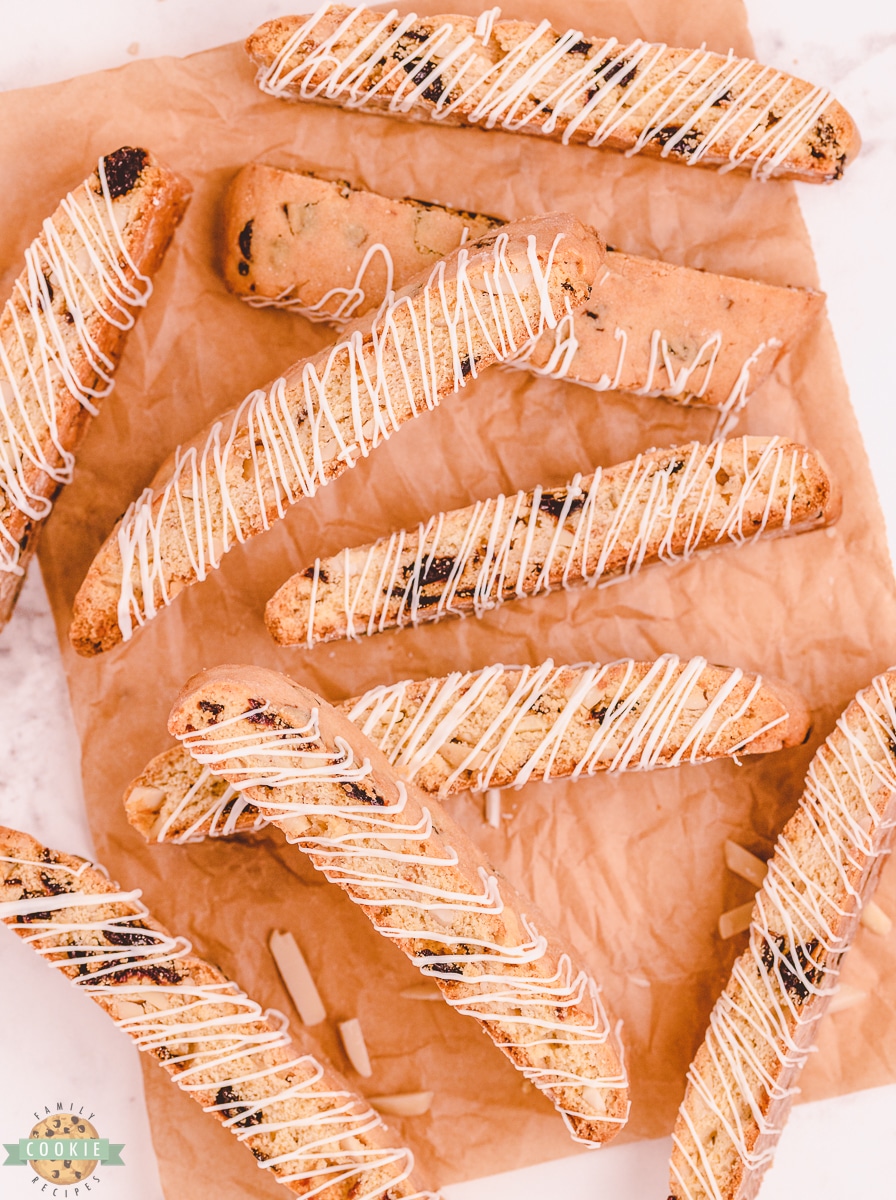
(57,1046)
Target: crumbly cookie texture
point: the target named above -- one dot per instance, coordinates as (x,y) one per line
(330,252)
(690,106)
(313,1133)
(419,879)
(475,307)
(87,276)
(762,1029)
(663,506)
(502,727)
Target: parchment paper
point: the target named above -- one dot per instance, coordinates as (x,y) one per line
(631,868)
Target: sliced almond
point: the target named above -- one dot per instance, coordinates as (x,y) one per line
(875,919)
(146,799)
(736,920)
(595,1097)
(126,1009)
(745,864)
(847,996)
(493,808)
(421,991)
(297,977)
(355,1047)
(403,1104)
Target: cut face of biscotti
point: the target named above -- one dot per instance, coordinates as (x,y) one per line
(478,306)
(663,506)
(268,1086)
(419,879)
(689,106)
(87,275)
(331,252)
(762,1029)
(504,726)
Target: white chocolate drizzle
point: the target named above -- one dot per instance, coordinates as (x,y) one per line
(298,444)
(48,353)
(402,906)
(207,1053)
(764,1024)
(633,733)
(688,106)
(496,544)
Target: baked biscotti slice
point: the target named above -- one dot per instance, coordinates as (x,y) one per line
(268,1085)
(691,106)
(504,726)
(419,879)
(663,506)
(476,307)
(86,277)
(824,869)
(331,252)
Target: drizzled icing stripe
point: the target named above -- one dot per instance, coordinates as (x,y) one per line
(695,107)
(81,256)
(380,855)
(289,440)
(634,731)
(690,380)
(492,559)
(763,1026)
(683,379)
(217,1041)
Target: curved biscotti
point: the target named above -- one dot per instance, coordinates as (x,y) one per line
(476,307)
(663,506)
(419,879)
(269,1086)
(689,106)
(825,867)
(87,276)
(504,726)
(331,252)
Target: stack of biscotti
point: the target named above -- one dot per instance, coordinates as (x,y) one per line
(331,252)
(476,307)
(87,275)
(825,867)
(663,506)
(690,106)
(507,726)
(420,880)
(268,1086)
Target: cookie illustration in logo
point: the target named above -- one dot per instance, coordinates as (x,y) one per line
(65,1170)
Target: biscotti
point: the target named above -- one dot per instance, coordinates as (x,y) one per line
(266,1084)
(762,1029)
(689,106)
(663,506)
(476,307)
(504,726)
(87,275)
(331,252)
(418,878)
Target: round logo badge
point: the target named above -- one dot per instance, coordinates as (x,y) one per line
(54,1129)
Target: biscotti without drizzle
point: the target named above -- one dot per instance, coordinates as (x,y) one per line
(268,1086)
(663,506)
(824,869)
(331,252)
(507,726)
(418,878)
(87,275)
(478,306)
(689,106)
